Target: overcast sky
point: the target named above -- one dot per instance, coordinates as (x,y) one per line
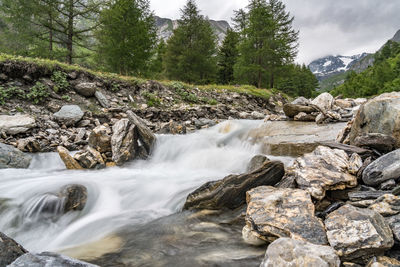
(344,27)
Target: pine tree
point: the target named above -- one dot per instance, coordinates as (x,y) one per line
(157,64)
(127,36)
(227,57)
(191,50)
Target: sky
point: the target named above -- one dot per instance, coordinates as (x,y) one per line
(327,27)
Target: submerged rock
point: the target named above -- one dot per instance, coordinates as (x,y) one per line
(274,212)
(16,124)
(9,250)
(10,157)
(69,115)
(230,192)
(68,160)
(75,197)
(384,168)
(48,259)
(296,253)
(358,234)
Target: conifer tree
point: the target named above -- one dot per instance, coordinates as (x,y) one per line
(227,57)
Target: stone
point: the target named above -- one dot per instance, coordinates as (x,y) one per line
(256,162)
(295,253)
(10,250)
(322,170)
(48,259)
(69,161)
(304,117)
(350,150)
(384,168)
(388,185)
(355,164)
(386,205)
(146,136)
(257,115)
(344,103)
(283,212)
(301,101)
(100,139)
(380,142)
(102,99)
(357,234)
(10,157)
(324,101)
(16,124)
(86,89)
(379,115)
(394,223)
(383,261)
(230,192)
(75,197)
(292,110)
(123,141)
(320,119)
(250,238)
(69,115)
(29,144)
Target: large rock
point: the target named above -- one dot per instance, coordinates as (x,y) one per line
(102,99)
(90,158)
(146,136)
(295,253)
(230,192)
(75,197)
(48,259)
(86,89)
(292,110)
(10,157)
(358,234)
(100,139)
(69,161)
(16,124)
(322,170)
(256,162)
(69,115)
(384,168)
(378,115)
(394,223)
(324,101)
(124,144)
(274,212)
(9,250)
(380,142)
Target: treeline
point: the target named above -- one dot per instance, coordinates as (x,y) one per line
(383,76)
(120,36)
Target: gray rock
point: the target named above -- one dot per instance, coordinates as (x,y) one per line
(386,205)
(383,261)
(230,192)
(256,162)
(10,157)
(380,142)
(124,144)
(146,136)
(75,197)
(344,103)
(16,124)
(292,110)
(86,89)
(358,234)
(282,212)
(301,101)
(384,168)
(102,99)
(324,101)
(295,253)
(48,259)
(394,223)
(9,250)
(69,115)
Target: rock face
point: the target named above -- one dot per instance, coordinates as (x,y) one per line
(324,101)
(68,160)
(274,212)
(230,192)
(379,115)
(322,170)
(295,253)
(357,234)
(75,197)
(86,89)
(47,259)
(69,115)
(123,141)
(9,250)
(384,168)
(16,124)
(11,157)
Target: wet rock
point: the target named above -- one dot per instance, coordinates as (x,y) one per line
(75,197)
(322,170)
(102,99)
(324,101)
(383,261)
(292,110)
(86,89)
(123,141)
(296,253)
(358,234)
(29,144)
(249,237)
(146,136)
(47,259)
(9,250)
(100,139)
(86,159)
(355,164)
(69,161)
(10,157)
(378,115)
(384,168)
(380,142)
(69,115)
(230,192)
(16,124)
(256,162)
(274,212)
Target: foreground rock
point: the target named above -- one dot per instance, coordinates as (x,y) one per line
(48,259)
(124,144)
(380,142)
(9,250)
(358,234)
(230,192)
(69,115)
(68,160)
(322,170)
(10,157)
(75,197)
(146,136)
(295,253)
(383,169)
(16,124)
(273,213)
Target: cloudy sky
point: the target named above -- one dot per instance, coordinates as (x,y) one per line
(344,27)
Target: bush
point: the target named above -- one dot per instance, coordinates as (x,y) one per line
(152,99)
(38,93)
(10,92)
(60,80)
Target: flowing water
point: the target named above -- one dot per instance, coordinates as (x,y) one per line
(118,198)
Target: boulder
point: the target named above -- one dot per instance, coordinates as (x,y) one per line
(322,170)
(16,124)
(380,142)
(357,234)
(90,158)
(324,101)
(102,99)
(256,162)
(146,136)
(10,157)
(124,143)
(230,192)
(378,115)
(9,250)
(282,212)
(304,117)
(86,89)
(384,168)
(296,253)
(75,197)
(29,144)
(383,261)
(345,103)
(69,161)
(69,115)
(292,110)
(48,259)
(100,139)
(301,101)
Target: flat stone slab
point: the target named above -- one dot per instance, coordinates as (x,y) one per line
(16,124)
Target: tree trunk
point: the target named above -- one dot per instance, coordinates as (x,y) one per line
(70,31)
(271,80)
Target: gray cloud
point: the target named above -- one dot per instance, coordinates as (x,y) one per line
(326,27)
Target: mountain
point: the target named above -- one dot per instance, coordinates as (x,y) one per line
(396,37)
(166,26)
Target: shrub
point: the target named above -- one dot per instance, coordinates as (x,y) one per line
(152,99)
(38,93)
(60,80)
